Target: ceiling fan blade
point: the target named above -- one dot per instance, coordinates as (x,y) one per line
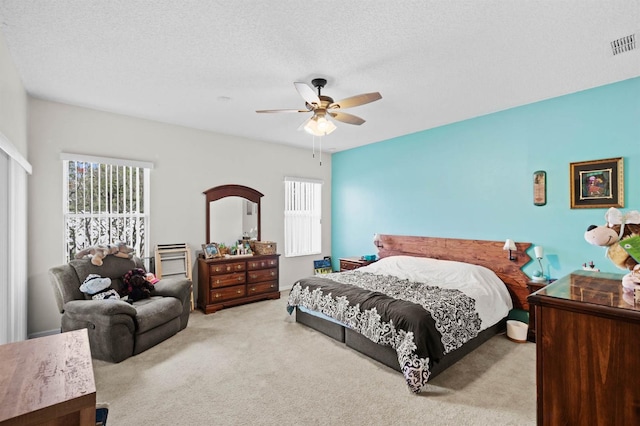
(347,118)
(357,100)
(281,110)
(307,93)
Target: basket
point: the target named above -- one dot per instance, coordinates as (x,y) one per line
(263,247)
(517,331)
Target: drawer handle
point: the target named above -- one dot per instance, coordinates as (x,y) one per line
(217,295)
(253,289)
(239,292)
(239,267)
(273,274)
(272,286)
(254,276)
(253,265)
(217,281)
(218,269)
(228,268)
(239,278)
(262,264)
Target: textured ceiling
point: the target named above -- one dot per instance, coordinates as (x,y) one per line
(210,64)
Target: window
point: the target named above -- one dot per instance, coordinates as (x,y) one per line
(302,217)
(106,200)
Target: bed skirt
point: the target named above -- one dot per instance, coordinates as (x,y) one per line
(386,354)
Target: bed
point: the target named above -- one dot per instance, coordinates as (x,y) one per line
(419,309)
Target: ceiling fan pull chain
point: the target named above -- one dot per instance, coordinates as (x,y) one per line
(320,150)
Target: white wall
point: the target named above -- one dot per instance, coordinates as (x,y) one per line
(13,208)
(13,102)
(187,162)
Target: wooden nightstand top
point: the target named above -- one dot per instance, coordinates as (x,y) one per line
(534,286)
(348,263)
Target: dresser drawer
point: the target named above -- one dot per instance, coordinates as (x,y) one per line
(225,268)
(227,293)
(262,287)
(262,275)
(225,280)
(261,264)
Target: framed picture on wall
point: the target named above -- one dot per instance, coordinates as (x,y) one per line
(597,184)
(539,188)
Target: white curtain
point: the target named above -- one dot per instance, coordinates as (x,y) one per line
(13,243)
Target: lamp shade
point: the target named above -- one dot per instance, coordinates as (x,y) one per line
(318,125)
(539,252)
(376,240)
(509,245)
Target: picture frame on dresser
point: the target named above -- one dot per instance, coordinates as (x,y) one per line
(210,251)
(597,183)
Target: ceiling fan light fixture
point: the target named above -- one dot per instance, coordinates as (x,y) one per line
(323,124)
(324,107)
(319,126)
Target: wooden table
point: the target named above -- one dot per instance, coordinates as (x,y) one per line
(587,358)
(48,381)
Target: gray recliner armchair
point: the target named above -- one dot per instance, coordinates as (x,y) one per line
(118,329)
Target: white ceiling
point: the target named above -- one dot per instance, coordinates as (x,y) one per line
(210,64)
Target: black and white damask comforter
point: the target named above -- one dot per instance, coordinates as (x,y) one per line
(423,308)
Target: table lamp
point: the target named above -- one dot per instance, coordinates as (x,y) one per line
(539,253)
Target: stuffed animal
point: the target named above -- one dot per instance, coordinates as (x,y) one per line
(151,278)
(631,281)
(100,251)
(136,285)
(619,236)
(619,227)
(99,288)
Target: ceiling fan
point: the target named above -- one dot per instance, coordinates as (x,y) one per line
(324,106)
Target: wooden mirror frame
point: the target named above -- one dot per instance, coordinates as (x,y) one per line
(218,192)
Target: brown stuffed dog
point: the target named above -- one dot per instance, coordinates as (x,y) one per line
(612,235)
(98,252)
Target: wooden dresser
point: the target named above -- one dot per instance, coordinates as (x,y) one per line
(48,381)
(587,333)
(226,282)
(533,286)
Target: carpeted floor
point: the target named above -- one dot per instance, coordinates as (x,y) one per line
(253,365)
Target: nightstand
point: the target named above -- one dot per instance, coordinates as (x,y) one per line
(349,263)
(533,286)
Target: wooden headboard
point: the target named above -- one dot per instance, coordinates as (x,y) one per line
(479,252)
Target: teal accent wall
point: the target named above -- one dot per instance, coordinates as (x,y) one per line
(474,179)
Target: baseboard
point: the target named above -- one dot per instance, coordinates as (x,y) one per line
(43,333)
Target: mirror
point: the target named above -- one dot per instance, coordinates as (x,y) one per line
(231,212)
(233,218)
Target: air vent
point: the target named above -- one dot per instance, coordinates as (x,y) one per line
(623,44)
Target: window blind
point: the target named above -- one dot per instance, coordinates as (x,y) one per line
(302,217)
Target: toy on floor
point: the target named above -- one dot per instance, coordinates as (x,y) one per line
(621,237)
(98,252)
